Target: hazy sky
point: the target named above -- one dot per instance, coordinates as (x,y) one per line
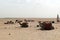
(29,8)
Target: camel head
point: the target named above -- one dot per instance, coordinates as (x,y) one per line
(17,21)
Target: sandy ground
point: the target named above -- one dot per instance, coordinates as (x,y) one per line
(15,32)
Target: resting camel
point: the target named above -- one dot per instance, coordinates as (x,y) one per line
(23,24)
(9,22)
(47,25)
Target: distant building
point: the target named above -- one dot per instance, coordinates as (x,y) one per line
(57,18)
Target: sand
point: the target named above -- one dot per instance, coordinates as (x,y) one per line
(15,32)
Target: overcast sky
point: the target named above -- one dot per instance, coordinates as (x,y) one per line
(29,8)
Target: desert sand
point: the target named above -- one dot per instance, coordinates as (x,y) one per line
(15,32)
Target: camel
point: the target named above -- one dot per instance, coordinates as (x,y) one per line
(23,24)
(9,22)
(47,25)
